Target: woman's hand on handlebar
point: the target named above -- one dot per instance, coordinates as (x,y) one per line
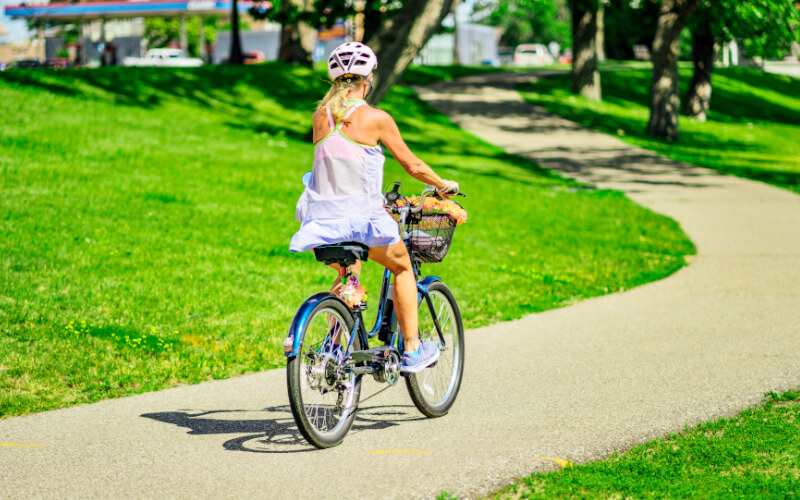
(450,188)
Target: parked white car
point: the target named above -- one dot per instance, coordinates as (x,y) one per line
(163,57)
(532,54)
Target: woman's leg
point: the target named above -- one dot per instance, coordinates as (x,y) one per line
(395,258)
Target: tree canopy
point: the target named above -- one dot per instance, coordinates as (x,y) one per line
(523,21)
(766,28)
(160,31)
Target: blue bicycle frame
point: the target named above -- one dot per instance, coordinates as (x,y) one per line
(385,319)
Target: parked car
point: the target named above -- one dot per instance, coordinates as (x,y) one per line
(565,57)
(163,57)
(58,63)
(26,63)
(253,57)
(532,54)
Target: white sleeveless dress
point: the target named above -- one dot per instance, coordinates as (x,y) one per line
(343,200)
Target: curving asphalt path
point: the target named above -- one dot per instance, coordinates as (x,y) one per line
(575,383)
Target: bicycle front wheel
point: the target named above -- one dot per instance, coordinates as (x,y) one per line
(323,395)
(434,389)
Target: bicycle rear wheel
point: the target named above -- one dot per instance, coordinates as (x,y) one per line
(323,396)
(434,389)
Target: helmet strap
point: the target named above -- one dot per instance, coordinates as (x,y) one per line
(369,82)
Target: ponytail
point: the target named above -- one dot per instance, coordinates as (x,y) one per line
(336,98)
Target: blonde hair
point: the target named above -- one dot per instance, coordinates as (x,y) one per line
(336,98)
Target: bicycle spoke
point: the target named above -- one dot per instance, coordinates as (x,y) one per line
(437,382)
(325,403)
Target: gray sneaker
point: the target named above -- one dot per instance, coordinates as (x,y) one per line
(416,362)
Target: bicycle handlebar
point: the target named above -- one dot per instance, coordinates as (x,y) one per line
(425,192)
(393,196)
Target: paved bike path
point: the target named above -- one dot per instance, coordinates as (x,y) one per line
(574,383)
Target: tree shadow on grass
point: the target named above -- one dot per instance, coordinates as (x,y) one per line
(206,86)
(739,95)
(277,433)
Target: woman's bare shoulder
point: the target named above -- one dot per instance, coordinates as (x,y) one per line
(318,113)
(378,116)
(377,113)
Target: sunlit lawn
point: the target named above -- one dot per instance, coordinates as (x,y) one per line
(753,455)
(146,215)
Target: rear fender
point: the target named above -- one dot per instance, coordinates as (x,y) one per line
(291,345)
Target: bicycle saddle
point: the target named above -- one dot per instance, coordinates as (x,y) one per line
(344,254)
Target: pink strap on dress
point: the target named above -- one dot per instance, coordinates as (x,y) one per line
(351,109)
(330,118)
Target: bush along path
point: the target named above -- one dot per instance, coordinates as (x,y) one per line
(573,383)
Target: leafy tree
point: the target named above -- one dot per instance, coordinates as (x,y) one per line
(766,27)
(236,56)
(402,36)
(525,21)
(628,23)
(664,96)
(395,29)
(585,76)
(373,13)
(300,20)
(299,25)
(600,36)
(159,32)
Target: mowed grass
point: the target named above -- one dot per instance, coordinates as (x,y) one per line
(753,127)
(146,215)
(753,455)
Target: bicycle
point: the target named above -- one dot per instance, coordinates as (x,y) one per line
(328,344)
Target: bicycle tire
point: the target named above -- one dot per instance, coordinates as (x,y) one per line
(434,389)
(313,382)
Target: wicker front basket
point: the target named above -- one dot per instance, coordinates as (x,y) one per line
(431,235)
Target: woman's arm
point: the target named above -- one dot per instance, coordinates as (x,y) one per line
(416,168)
(320,125)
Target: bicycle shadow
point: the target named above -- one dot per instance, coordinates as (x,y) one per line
(278,433)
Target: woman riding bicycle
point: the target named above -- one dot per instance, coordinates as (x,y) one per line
(343,200)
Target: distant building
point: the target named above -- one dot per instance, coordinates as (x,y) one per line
(473,44)
(106,29)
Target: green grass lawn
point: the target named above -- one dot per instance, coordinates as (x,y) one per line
(751,456)
(753,127)
(146,215)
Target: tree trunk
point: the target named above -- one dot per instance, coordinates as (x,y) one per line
(401,39)
(703,54)
(664,92)
(372,21)
(297,37)
(601,31)
(235,56)
(585,77)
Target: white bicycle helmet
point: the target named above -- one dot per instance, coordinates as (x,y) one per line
(351,58)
